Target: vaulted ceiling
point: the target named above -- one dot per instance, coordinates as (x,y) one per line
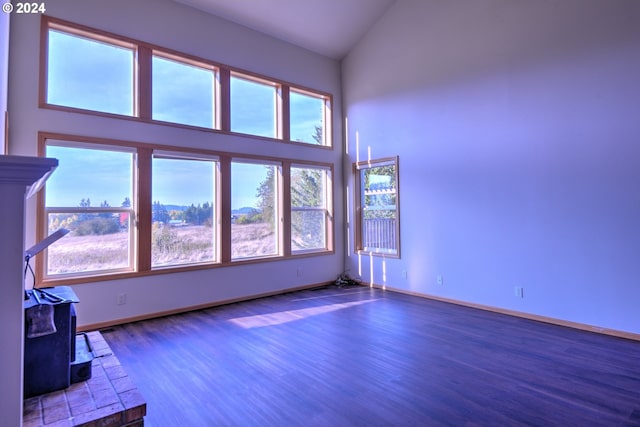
(327,27)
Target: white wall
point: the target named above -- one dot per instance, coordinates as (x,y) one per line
(178,27)
(517,126)
(4,75)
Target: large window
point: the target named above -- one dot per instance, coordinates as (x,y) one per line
(310,208)
(183,93)
(95,72)
(91,194)
(378,224)
(183,213)
(255,203)
(90,74)
(140,208)
(253,106)
(133,208)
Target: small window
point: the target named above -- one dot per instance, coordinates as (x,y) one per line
(253,107)
(309,208)
(307,114)
(183,93)
(91,195)
(378,225)
(255,198)
(91,74)
(184,226)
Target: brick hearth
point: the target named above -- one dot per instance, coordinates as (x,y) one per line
(108,399)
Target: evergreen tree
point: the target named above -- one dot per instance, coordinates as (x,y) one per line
(84,203)
(266,189)
(266,199)
(199,215)
(105,204)
(159,213)
(207,214)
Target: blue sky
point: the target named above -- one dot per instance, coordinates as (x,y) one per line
(93,75)
(182,94)
(107,176)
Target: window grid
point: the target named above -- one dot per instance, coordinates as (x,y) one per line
(142,82)
(109,214)
(139,210)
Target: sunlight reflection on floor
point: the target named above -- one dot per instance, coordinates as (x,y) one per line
(281,317)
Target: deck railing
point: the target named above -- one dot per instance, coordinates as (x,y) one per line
(379,233)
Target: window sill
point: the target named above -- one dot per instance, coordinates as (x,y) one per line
(137,119)
(78,280)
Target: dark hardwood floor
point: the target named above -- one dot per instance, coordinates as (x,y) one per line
(365,357)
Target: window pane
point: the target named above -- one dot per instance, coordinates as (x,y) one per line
(308,208)
(255,217)
(182,93)
(378,201)
(253,107)
(89,74)
(183,214)
(97,242)
(306,118)
(89,178)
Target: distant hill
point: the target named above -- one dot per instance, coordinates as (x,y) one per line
(243,211)
(176,208)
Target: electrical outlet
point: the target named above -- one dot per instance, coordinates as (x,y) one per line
(121,299)
(518,291)
(439,280)
(404,274)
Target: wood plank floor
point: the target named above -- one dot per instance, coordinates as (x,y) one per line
(365,357)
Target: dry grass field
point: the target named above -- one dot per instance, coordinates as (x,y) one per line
(171,246)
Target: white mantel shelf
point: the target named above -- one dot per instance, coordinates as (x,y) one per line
(25,171)
(19,176)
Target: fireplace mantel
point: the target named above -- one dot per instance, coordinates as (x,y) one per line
(19,176)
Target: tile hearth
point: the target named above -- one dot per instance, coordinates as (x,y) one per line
(108,399)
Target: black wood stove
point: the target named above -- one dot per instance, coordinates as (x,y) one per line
(55,356)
